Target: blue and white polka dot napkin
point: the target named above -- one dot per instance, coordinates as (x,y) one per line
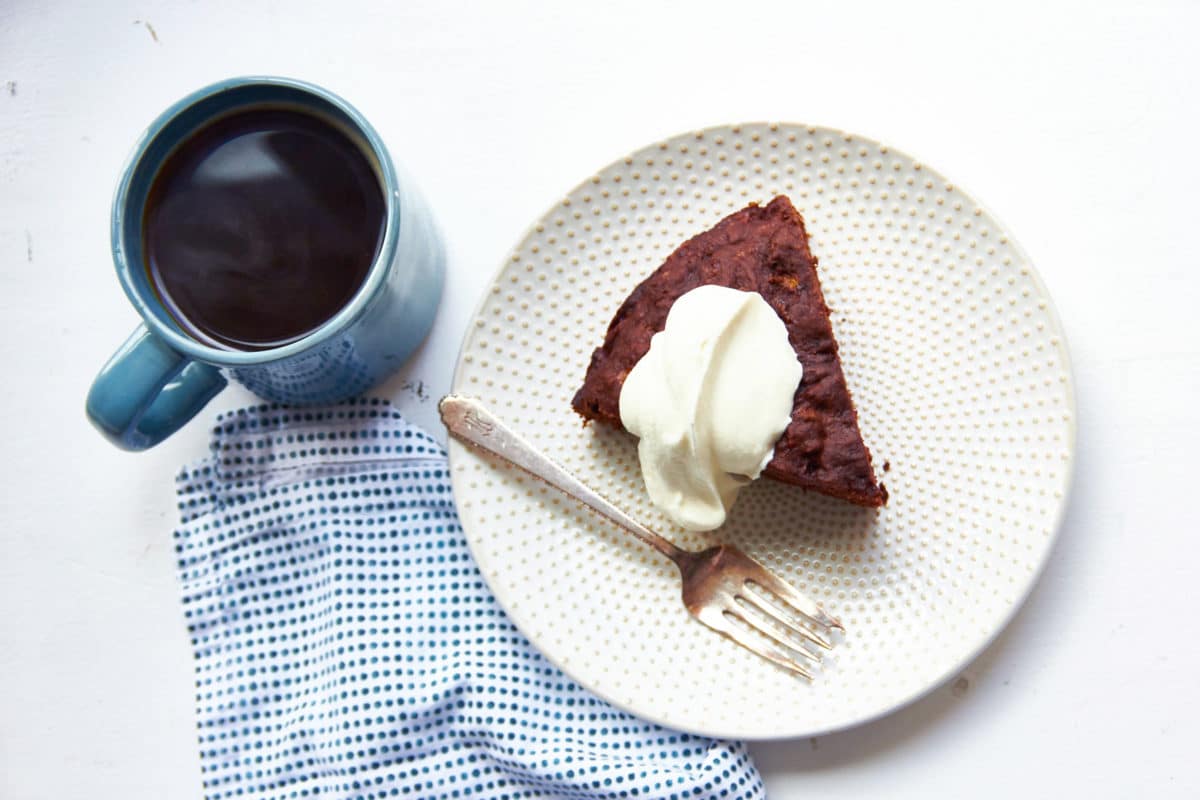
(346,645)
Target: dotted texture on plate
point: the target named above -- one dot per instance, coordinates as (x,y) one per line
(957,365)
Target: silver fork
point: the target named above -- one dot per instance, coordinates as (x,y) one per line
(722,587)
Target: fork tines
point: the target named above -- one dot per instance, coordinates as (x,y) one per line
(776,622)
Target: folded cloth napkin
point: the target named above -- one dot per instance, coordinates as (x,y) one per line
(347,646)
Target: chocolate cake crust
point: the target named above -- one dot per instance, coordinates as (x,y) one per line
(761,249)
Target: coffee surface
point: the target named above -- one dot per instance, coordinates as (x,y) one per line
(261,226)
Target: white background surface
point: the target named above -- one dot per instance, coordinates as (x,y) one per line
(1076,124)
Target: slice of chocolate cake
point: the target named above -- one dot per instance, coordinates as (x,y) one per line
(760,249)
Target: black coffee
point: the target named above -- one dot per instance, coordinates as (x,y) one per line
(261,226)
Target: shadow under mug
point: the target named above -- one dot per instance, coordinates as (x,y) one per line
(161,377)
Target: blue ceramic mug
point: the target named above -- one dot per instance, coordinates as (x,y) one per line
(161,377)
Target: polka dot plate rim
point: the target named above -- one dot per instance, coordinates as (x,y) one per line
(958,365)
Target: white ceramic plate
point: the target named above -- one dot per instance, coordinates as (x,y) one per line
(957,364)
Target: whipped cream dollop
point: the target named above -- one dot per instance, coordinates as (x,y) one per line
(708,402)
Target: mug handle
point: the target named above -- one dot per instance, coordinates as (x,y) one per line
(147,391)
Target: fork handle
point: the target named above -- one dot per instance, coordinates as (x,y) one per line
(469,420)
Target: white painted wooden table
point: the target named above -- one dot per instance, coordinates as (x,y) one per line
(1077,124)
